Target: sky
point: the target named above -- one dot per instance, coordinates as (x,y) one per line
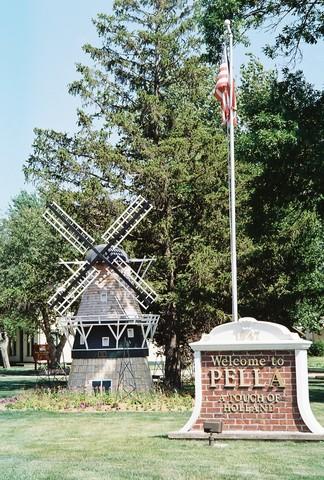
(40,43)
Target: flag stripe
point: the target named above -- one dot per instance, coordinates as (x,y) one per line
(222,91)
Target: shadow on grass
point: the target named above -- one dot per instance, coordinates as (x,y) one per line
(316,390)
(17,372)
(8,389)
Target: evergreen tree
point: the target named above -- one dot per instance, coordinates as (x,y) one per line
(149,125)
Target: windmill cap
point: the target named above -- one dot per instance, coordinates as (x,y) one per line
(113,252)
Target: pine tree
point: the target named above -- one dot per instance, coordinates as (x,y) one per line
(149,125)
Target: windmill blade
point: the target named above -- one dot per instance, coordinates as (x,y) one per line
(128,278)
(73,288)
(68,264)
(68,228)
(127,221)
(86,274)
(133,283)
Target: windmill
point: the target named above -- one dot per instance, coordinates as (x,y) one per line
(109,318)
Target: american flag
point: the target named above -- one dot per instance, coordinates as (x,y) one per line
(222,91)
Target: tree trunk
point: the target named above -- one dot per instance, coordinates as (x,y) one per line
(172,348)
(59,348)
(55,351)
(4,344)
(173,364)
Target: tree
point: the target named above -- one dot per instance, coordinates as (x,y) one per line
(29,271)
(149,86)
(297,20)
(4,340)
(4,344)
(282,139)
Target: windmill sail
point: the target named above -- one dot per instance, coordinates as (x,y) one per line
(134,283)
(68,293)
(68,228)
(82,241)
(127,221)
(128,278)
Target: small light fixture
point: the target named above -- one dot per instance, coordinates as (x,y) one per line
(211,427)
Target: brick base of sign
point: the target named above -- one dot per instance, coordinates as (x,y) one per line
(251,382)
(250,391)
(86,370)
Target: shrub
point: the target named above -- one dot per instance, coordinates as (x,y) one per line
(317,348)
(65,400)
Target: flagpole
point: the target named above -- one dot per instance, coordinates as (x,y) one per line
(232,180)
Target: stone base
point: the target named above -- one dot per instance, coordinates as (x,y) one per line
(239,435)
(85,370)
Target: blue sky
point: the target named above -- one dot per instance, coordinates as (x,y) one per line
(40,42)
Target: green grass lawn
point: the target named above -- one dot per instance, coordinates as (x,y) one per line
(10,386)
(127,445)
(106,446)
(17,379)
(49,446)
(316,363)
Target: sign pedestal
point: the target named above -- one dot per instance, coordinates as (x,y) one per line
(253,376)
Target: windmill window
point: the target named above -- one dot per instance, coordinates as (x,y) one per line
(82,340)
(101,386)
(103,297)
(105,341)
(130,332)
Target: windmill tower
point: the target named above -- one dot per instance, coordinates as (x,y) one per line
(110,331)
